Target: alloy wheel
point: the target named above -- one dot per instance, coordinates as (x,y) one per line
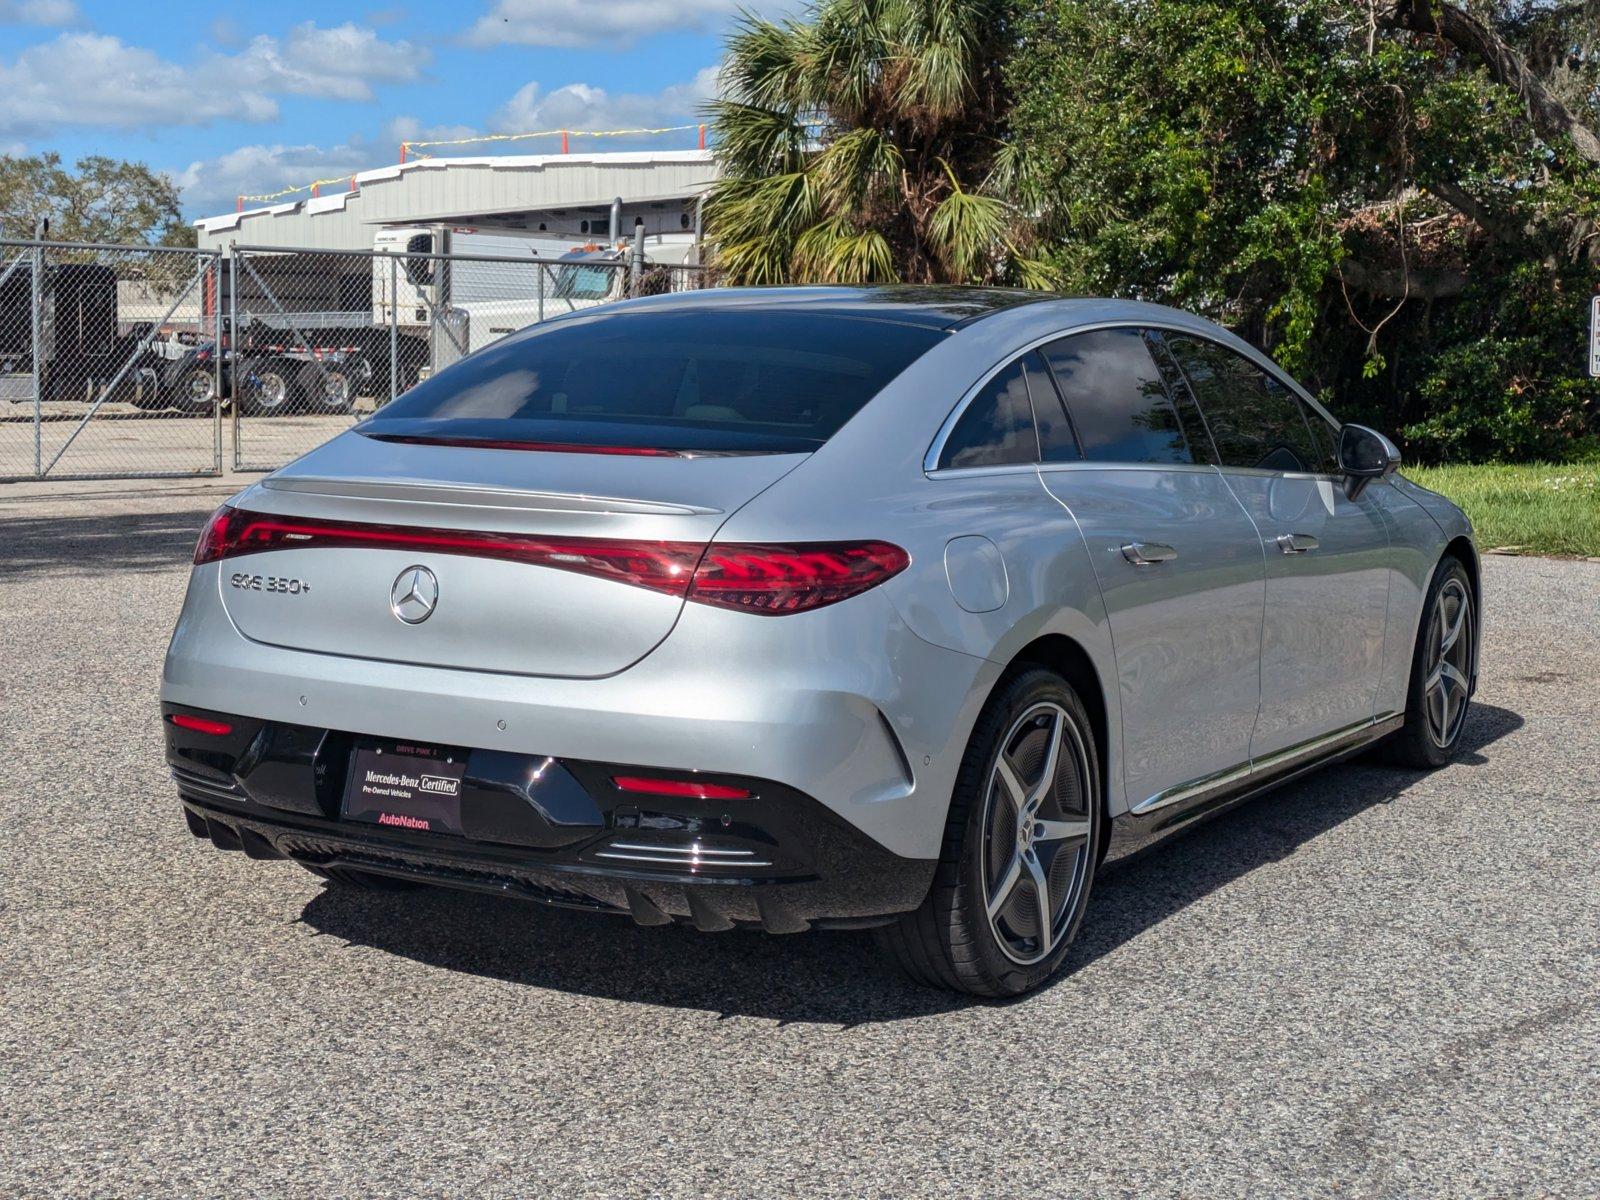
(272,389)
(198,388)
(1446,685)
(1037,827)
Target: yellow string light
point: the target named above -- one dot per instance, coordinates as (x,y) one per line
(517,137)
(315,183)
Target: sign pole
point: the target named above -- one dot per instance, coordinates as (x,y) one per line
(1594,338)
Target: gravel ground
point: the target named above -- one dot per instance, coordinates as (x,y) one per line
(1376,983)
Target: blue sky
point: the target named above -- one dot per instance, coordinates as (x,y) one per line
(234,98)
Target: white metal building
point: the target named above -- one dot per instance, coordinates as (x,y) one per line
(563,195)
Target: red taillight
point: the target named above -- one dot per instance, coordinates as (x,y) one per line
(682,788)
(201,724)
(214,538)
(773,580)
(756,578)
(659,566)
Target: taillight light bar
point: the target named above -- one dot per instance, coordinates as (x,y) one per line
(768,579)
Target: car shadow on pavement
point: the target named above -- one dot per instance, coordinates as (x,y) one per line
(149,541)
(842,978)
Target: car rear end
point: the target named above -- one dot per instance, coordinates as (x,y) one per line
(494,639)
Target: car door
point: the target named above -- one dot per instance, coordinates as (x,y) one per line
(1327,556)
(1178,561)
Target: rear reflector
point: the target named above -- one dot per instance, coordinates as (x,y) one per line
(769,580)
(200,724)
(683,788)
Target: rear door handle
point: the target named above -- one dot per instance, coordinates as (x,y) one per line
(1297,543)
(1148,554)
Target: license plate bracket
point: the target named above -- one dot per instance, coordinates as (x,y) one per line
(405,786)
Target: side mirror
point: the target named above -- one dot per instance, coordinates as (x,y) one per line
(1365,455)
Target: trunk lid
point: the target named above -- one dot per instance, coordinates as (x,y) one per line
(487,614)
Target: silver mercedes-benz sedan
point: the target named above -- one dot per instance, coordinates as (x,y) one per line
(904,608)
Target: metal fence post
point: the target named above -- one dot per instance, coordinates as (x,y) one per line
(233,348)
(539,268)
(394,327)
(36,315)
(216,362)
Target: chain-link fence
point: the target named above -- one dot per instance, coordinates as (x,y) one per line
(108,362)
(120,361)
(319,338)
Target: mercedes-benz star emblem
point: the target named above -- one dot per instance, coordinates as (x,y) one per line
(415,595)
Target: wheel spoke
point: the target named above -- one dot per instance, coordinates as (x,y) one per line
(1052,757)
(1452,633)
(1006,886)
(1061,831)
(1041,887)
(1452,677)
(1016,791)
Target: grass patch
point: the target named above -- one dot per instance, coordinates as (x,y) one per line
(1540,508)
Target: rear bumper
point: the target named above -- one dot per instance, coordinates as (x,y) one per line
(845,705)
(552,830)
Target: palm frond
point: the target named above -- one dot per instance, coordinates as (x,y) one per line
(835,251)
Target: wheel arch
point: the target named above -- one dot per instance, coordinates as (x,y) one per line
(1067,658)
(1462,549)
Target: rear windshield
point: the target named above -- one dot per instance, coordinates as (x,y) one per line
(728,382)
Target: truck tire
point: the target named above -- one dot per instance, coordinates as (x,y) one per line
(266,388)
(333,387)
(194,391)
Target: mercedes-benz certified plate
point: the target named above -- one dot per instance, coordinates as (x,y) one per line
(405,787)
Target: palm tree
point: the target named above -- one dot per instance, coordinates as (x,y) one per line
(868,143)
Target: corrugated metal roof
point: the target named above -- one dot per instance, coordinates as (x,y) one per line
(452,188)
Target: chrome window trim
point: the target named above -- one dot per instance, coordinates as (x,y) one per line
(979,472)
(1087,464)
(930,460)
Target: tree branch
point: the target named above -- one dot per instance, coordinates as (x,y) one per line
(1469,206)
(1553,119)
(1397,283)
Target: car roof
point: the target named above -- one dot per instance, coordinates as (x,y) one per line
(934,307)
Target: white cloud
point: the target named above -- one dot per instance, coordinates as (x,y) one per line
(581,106)
(341,63)
(614,22)
(212,185)
(39,12)
(91,79)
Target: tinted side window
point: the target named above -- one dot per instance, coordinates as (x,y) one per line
(1117,399)
(1057,442)
(997,427)
(1326,438)
(1255,420)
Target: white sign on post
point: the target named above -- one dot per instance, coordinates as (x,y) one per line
(1594,339)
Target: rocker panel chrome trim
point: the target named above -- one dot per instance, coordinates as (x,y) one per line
(1311,748)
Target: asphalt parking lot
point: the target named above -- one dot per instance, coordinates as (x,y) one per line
(119,438)
(1375,983)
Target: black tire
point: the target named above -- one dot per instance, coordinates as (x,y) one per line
(365,881)
(266,387)
(332,388)
(1419,743)
(194,391)
(951,941)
